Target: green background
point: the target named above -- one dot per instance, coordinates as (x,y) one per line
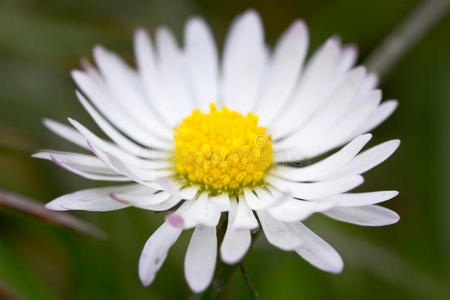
(41,41)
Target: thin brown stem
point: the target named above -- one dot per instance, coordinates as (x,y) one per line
(248,282)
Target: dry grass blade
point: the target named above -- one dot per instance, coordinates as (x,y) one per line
(36,209)
(406,35)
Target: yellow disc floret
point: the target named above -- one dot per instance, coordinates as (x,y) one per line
(222,151)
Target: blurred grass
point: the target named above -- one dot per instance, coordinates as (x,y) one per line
(41,41)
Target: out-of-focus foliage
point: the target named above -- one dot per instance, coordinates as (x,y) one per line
(41,41)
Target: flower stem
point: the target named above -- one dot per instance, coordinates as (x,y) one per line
(248,282)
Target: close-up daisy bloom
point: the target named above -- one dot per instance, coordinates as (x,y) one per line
(252,139)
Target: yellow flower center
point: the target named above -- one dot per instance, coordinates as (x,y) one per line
(222,151)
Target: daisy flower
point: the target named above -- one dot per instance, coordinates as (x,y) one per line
(216,141)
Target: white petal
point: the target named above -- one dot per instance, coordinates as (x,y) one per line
(148,198)
(143,176)
(297,210)
(336,106)
(108,104)
(96,199)
(368,86)
(260,198)
(180,218)
(209,215)
(316,251)
(277,233)
(178,102)
(316,189)
(371,215)
(117,137)
(344,130)
(200,260)
(368,159)
(103,146)
(202,62)
(380,115)
(88,174)
(244,61)
(124,84)
(245,219)
(311,92)
(200,211)
(359,199)
(286,67)
(147,68)
(222,202)
(80,161)
(325,166)
(235,243)
(66,132)
(176,188)
(120,165)
(155,252)
(163,206)
(347,59)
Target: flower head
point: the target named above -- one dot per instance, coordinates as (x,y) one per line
(213,140)
(222,151)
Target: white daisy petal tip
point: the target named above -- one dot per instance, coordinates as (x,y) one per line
(193,24)
(365,137)
(334,264)
(233,254)
(353,48)
(54,205)
(395,219)
(47,122)
(395,103)
(251,13)
(76,74)
(155,252)
(140,33)
(360,69)
(391,217)
(369,215)
(99,51)
(200,259)
(72,121)
(396,143)
(162,34)
(37,155)
(359,179)
(298,27)
(378,93)
(333,42)
(337,268)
